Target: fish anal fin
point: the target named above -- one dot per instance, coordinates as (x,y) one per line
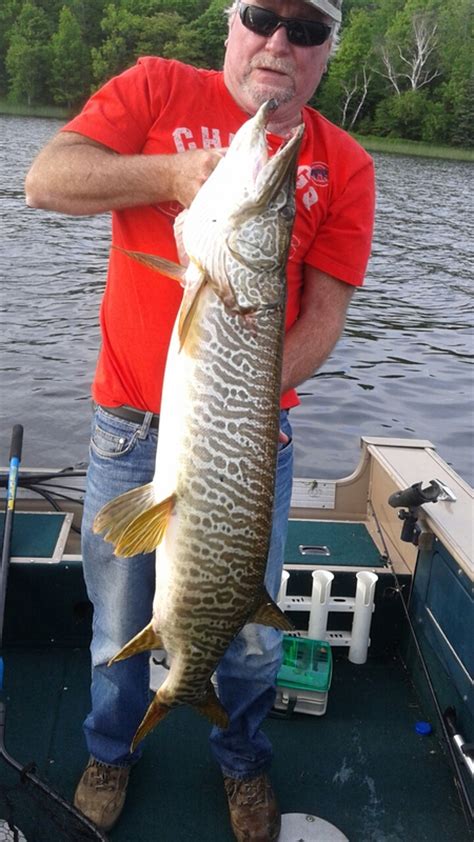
(144,641)
(155,713)
(211,708)
(146,531)
(158,264)
(268,614)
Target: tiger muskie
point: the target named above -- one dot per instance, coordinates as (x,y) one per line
(208,510)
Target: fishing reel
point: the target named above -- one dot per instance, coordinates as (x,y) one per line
(413,497)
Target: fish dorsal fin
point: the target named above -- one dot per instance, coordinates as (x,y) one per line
(158,264)
(268,614)
(211,708)
(144,641)
(155,713)
(146,531)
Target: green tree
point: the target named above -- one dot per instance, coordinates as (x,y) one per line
(351,72)
(456,94)
(129,36)
(69,80)
(28,56)
(202,42)
(9,11)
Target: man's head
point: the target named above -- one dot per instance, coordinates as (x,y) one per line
(279,49)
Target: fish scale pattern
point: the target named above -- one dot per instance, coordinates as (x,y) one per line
(219,420)
(225,483)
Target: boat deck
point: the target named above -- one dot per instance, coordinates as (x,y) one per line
(361,766)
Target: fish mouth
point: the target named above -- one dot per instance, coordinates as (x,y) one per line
(271,172)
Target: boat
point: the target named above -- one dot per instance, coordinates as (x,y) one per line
(373,725)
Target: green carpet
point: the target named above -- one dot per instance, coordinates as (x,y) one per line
(349,544)
(361,766)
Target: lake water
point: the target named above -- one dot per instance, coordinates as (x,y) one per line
(403,368)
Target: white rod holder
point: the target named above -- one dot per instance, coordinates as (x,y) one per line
(364,606)
(283,586)
(318,617)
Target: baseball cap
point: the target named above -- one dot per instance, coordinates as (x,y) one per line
(332,8)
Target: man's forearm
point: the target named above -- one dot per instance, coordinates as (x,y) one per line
(76,176)
(313,336)
(306,351)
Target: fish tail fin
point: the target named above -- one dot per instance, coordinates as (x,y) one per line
(268,614)
(157,711)
(212,709)
(135,522)
(144,641)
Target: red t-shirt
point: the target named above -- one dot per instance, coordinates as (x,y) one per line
(161,106)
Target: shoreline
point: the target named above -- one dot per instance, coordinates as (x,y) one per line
(372,143)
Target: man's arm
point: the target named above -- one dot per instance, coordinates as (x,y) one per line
(77,176)
(311,339)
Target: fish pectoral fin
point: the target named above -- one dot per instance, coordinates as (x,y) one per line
(188,310)
(268,614)
(114,518)
(158,264)
(155,713)
(146,531)
(211,708)
(144,641)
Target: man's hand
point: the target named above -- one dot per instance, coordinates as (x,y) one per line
(189,170)
(76,175)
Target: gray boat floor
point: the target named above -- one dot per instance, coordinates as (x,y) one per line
(361,766)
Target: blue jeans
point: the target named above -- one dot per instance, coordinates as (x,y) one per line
(122,456)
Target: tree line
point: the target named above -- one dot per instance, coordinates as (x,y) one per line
(403,68)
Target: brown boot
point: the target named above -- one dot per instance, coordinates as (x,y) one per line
(254,812)
(100,793)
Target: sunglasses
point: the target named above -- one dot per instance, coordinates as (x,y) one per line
(302,33)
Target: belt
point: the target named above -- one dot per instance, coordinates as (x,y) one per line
(129,413)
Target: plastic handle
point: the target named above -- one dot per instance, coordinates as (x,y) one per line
(17,442)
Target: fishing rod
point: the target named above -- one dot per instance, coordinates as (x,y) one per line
(14,464)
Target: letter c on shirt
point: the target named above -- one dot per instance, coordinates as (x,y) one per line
(182,141)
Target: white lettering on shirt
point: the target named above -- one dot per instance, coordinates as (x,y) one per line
(211,138)
(303,179)
(182,139)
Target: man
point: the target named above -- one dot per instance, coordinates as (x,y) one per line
(142,147)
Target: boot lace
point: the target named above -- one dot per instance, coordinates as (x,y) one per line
(104,777)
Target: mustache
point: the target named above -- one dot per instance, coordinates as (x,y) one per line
(270,63)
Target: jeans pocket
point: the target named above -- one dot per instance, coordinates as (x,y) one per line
(110,443)
(285,448)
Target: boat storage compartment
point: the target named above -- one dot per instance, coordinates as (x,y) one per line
(38,536)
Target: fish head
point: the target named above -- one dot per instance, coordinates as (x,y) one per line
(238,228)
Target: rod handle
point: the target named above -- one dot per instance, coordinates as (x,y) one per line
(16,442)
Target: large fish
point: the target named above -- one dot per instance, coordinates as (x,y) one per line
(208,510)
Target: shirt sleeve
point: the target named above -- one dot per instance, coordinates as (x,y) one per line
(120,114)
(342,244)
